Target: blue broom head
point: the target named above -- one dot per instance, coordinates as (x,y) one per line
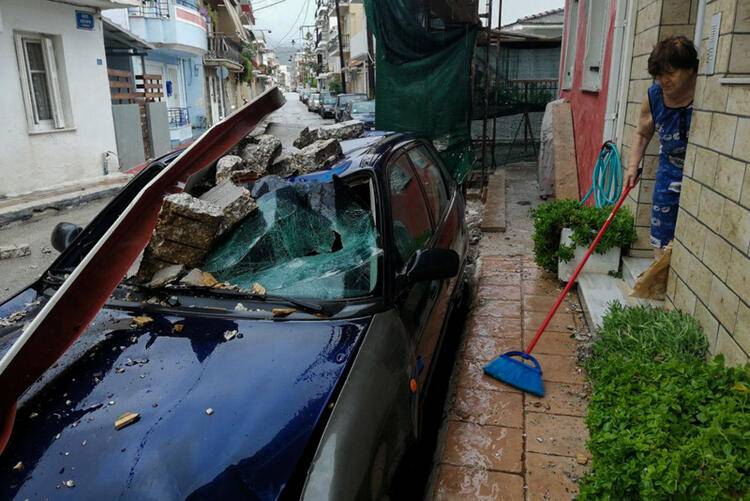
(518,373)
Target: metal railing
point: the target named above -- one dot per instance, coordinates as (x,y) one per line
(333,42)
(150,8)
(220,46)
(193,4)
(178,117)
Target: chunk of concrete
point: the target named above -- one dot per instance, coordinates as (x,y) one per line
(307,136)
(259,156)
(166,275)
(226,165)
(185,230)
(234,201)
(341,131)
(12,251)
(317,156)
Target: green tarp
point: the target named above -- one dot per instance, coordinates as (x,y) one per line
(423,78)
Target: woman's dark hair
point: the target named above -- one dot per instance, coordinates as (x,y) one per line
(673,53)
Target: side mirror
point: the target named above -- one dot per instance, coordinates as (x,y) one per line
(432,264)
(63,235)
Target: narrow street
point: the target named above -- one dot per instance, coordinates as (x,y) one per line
(287,122)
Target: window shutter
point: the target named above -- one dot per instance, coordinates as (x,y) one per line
(53,82)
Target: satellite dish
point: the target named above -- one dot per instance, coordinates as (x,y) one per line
(222,72)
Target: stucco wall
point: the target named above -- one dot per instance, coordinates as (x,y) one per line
(710,267)
(655,20)
(30,162)
(588,107)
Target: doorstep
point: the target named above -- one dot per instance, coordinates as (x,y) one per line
(24,206)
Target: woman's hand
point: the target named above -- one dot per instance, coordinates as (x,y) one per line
(631,176)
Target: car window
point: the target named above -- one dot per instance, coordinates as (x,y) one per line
(411,221)
(429,174)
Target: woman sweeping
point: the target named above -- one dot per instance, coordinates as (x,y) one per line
(667,110)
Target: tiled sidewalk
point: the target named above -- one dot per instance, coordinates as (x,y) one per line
(500,443)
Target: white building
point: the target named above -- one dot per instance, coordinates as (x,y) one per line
(55,113)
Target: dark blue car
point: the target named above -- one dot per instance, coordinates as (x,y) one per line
(312,389)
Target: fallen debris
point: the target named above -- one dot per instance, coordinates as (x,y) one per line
(581,458)
(282,312)
(177,328)
(340,131)
(141,320)
(229,335)
(258,290)
(184,233)
(18,467)
(317,156)
(166,275)
(13,318)
(235,202)
(259,156)
(198,278)
(13,251)
(226,166)
(126,420)
(69,484)
(209,411)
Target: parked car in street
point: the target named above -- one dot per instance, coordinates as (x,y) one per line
(327,106)
(312,388)
(342,100)
(361,110)
(313,102)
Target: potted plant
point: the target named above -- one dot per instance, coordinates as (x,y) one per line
(563,230)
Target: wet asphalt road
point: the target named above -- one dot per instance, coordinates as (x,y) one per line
(287,122)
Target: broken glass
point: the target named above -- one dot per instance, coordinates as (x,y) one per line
(311,240)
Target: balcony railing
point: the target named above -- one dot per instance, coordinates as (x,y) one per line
(178,117)
(333,43)
(220,46)
(192,4)
(150,8)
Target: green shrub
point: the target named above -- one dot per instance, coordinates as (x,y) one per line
(551,217)
(663,422)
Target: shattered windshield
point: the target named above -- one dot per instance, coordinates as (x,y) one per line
(306,239)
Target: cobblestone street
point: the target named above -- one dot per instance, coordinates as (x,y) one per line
(499,443)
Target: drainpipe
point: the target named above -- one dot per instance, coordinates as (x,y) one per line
(699,25)
(341,48)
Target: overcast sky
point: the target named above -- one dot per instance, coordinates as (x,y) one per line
(285,18)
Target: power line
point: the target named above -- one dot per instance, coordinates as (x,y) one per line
(305,7)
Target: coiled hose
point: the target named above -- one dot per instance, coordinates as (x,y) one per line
(606,180)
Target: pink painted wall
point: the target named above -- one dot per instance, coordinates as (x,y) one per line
(588,107)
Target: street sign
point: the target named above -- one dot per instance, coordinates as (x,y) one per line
(222,72)
(84,20)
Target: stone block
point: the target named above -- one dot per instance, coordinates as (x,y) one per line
(644,41)
(742,17)
(729,173)
(705,166)
(738,101)
(690,196)
(745,195)
(738,278)
(723,303)
(342,131)
(235,202)
(690,155)
(259,156)
(698,277)
(739,62)
(707,321)
(648,17)
(690,233)
(684,299)
(723,128)
(317,156)
(13,251)
(566,167)
(727,346)
(735,225)
(716,254)
(715,95)
(185,230)
(166,275)
(675,12)
(742,143)
(226,165)
(639,71)
(710,208)
(742,330)
(700,127)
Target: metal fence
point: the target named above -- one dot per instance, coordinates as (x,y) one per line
(193,4)
(150,8)
(178,117)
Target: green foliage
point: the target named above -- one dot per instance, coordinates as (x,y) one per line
(550,218)
(334,86)
(664,423)
(312,83)
(248,53)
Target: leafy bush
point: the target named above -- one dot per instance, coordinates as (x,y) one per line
(663,422)
(550,218)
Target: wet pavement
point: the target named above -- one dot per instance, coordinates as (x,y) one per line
(287,122)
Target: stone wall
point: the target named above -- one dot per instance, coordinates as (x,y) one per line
(710,274)
(655,20)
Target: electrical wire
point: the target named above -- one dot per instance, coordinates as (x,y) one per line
(304,7)
(606,180)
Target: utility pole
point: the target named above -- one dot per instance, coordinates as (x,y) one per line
(341,48)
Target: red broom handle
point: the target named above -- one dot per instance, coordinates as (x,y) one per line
(580,266)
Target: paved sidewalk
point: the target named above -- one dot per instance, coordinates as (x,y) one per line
(499,443)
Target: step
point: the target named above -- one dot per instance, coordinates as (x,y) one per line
(632,267)
(598,291)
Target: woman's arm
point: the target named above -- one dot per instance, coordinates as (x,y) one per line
(642,136)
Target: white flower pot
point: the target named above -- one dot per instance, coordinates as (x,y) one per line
(597,263)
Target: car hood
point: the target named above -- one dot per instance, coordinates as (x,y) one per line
(227,408)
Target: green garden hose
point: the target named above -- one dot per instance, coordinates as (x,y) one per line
(606,180)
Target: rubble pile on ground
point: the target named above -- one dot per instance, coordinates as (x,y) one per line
(188,227)
(341,131)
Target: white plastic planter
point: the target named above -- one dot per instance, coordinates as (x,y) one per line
(597,263)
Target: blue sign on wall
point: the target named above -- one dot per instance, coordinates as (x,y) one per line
(84,20)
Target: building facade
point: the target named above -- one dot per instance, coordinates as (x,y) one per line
(55,86)
(710,269)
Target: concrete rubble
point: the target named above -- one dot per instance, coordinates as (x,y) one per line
(235,202)
(13,251)
(341,131)
(226,166)
(317,156)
